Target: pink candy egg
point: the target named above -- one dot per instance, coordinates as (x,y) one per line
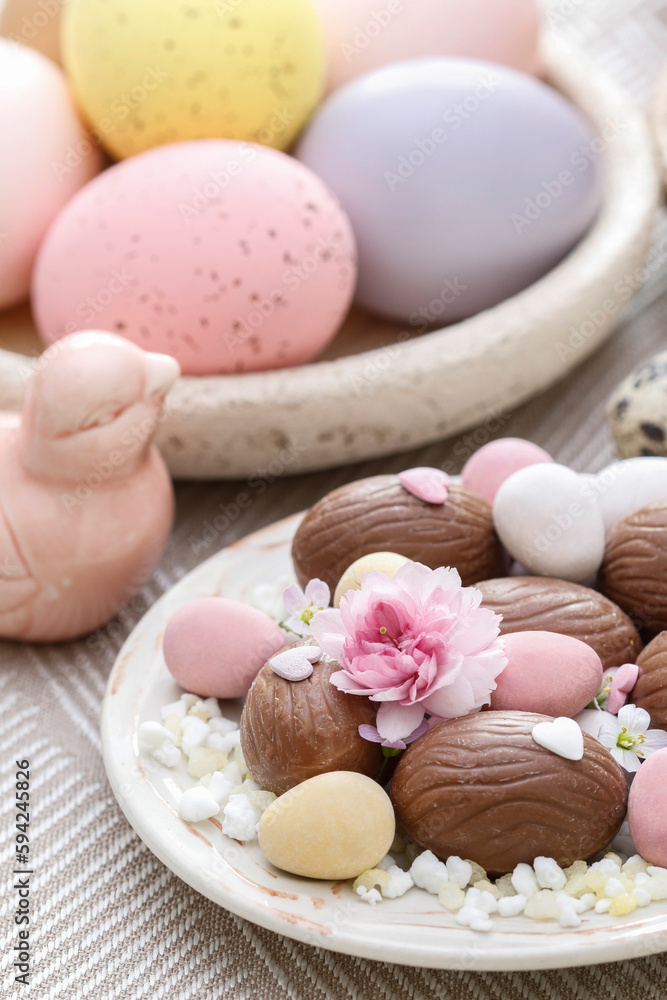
(215,647)
(363,35)
(46,157)
(647,809)
(229,256)
(548,673)
(486,471)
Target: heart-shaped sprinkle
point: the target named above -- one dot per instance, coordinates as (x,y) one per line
(563,736)
(431,485)
(295,664)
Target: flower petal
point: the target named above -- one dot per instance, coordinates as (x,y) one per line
(395,722)
(369,733)
(297,626)
(327,629)
(622,683)
(656,739)
(317,592)
(294,599)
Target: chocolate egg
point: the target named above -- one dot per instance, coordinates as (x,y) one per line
(634,571)
(293,730)
(378,514)
(650,691)
(482,788)
(535,602)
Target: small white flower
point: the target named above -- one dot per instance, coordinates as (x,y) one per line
(302,605)
(628,739)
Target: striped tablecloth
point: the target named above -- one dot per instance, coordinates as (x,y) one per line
(109,919)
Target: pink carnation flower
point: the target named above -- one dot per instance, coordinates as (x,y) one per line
(416,643)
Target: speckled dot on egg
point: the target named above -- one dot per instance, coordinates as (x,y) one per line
(201,250)
(162,71)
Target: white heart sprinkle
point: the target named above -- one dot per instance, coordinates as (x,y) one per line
(563,736)
(295,664)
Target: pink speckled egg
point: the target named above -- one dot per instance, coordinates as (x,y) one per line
(547,672)
(46,157)
(486,471)
(215,647)
(229,256)
(362,35)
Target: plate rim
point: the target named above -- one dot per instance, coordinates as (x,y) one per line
(496,951)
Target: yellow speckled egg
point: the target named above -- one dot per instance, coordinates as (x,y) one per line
(159,71)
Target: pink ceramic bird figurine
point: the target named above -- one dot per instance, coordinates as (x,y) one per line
(86,502)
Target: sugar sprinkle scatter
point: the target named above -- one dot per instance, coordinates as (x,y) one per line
(194,730)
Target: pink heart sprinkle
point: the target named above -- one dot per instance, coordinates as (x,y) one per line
(295,664)
(431,485)
(622,684)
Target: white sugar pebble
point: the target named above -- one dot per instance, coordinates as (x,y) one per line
(655,870)
(642,896)
(511,906)
(386,863)
(232,773)
(176,708)
(220,787)
(614,887)
(565,900)
(589,899)
(459,871)
(607,867)
(400,883)
(167,754)
(569,916)
(602,905)
(641,877)
(223,726)
(477,920)
(481,900)
(227,742)
(195,731)
(371,896)
(524,881)
(196,804)
(549,875)
(241,819)
(429,873)
(152,735)
(189,700)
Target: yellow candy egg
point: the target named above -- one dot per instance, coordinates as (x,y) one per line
(159,71)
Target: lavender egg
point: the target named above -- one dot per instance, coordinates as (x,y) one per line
(464,181)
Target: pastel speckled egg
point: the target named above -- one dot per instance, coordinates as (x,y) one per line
(464,182)
(493,463)
(363,35)
(229,256)
(47,156)
(547,672)
(215,647)
(163,71)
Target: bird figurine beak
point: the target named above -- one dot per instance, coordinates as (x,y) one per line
(161,373)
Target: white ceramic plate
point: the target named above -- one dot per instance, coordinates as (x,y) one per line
(378,389)
(412,930)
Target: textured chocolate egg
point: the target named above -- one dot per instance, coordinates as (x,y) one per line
(293,730)
(482,788)
(650,691)
(540,603)
(378,514)
(634,571)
